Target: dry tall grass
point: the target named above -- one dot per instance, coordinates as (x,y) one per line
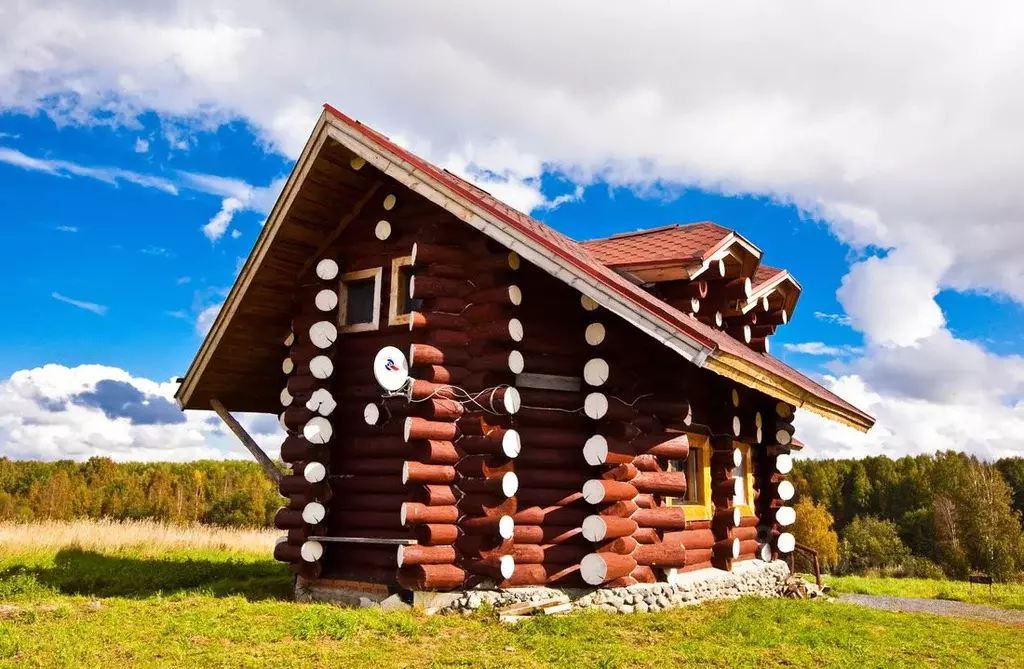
(143,535)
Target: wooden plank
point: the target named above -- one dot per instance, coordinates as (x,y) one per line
(268,465)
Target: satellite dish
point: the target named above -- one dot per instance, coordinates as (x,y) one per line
(390,368)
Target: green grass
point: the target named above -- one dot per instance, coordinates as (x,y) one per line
(180,608)
(1002,595)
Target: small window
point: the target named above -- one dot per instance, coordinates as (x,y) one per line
(697,501)
(401,302)
(359,301)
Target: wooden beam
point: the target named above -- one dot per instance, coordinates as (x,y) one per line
(268,465)
(342,224)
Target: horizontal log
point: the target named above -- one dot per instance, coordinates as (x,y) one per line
(565,575)
(540,458)
(661,518)
(484,466)
(622,545)
(548,496)
(499,526)
(505,444)
(431,577)
(504,484)
(596,491)
(424,354)
(548,553)
(556,438)
(310,570)
(547,534)
(350,501)
(598,568)
(414,513)
(484,504)
(551,515)
(411,555)
(434,452)
(661,483)
(420,428)
(449,374)
(437,535)
(498,567)
(728,549)
(418,472)
(647,535)
(624,473)
(297,449)
(601,528)
(504,295)
(312,514)
(551,478)
(623,509)
(663,555)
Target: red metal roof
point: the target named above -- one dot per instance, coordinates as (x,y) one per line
(577,254)
(689,243)
(763,274)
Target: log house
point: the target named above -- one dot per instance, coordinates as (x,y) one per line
(472,398)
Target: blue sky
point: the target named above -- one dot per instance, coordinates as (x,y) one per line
(141,148)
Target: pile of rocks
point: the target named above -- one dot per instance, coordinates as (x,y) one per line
(756,578)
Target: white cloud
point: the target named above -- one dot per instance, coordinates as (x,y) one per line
(141,145)
(821,348)
(206,317)
(182,280)
(837,319)
(236,233)
(67,228)
(64,168)
(55,412)
(218,225)
(88,306)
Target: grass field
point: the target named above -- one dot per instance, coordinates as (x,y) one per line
(1003,595)
(86,605)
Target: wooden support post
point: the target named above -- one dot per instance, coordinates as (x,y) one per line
(268,465)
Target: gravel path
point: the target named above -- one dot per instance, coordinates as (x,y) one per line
(938,607)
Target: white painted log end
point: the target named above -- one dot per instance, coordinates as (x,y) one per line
(516,362)
(721,268)
(317,430)
(783,437)
(326,300)
(588,303)
(719,319)
(407,429)
(786,543)
(736,426)
(738,487)
(389,202)
(401,555)
(694,305)
(786,491)
(327,269)
(312,551)
(403,514)
(506,566)
(281,540)
(735,395)
(322,402)
(512,401)
(287,366)
(758,421)
(515,295)
(290,339)
(594,528)
(747,287)
(595,406)
(280,419)
(596,372)
(382,230)
(314,513)
(514,261)
(593,491)
(412,282)
(785,516)
(405,472)
(784,463)
(595,452)
(736,517)
(509,484)
(323,334)
(737,457)
(735,548)
(515,329)
(321,367)
(511,444)
(595,334)
(357,163)
(506,527)
(765,552)
(593,569)
(314,472)
(286,398)
(371,414)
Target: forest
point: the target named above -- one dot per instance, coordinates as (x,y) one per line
(929,515)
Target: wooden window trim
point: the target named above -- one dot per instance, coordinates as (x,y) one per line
(702,508)
(748,479)
(343,281)
(395,318)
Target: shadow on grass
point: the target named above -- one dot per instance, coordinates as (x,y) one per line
(81,572)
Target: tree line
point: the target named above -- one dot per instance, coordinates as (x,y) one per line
(231,492)
(927,515)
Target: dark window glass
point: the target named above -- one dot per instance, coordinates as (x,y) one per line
(360,301)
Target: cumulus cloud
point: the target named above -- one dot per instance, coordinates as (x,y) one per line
(55,412)
(218,225)
(88,306)
(141,145)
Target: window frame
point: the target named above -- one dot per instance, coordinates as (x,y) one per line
(701,508)
(374,273)
(395,318)
(747,508)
